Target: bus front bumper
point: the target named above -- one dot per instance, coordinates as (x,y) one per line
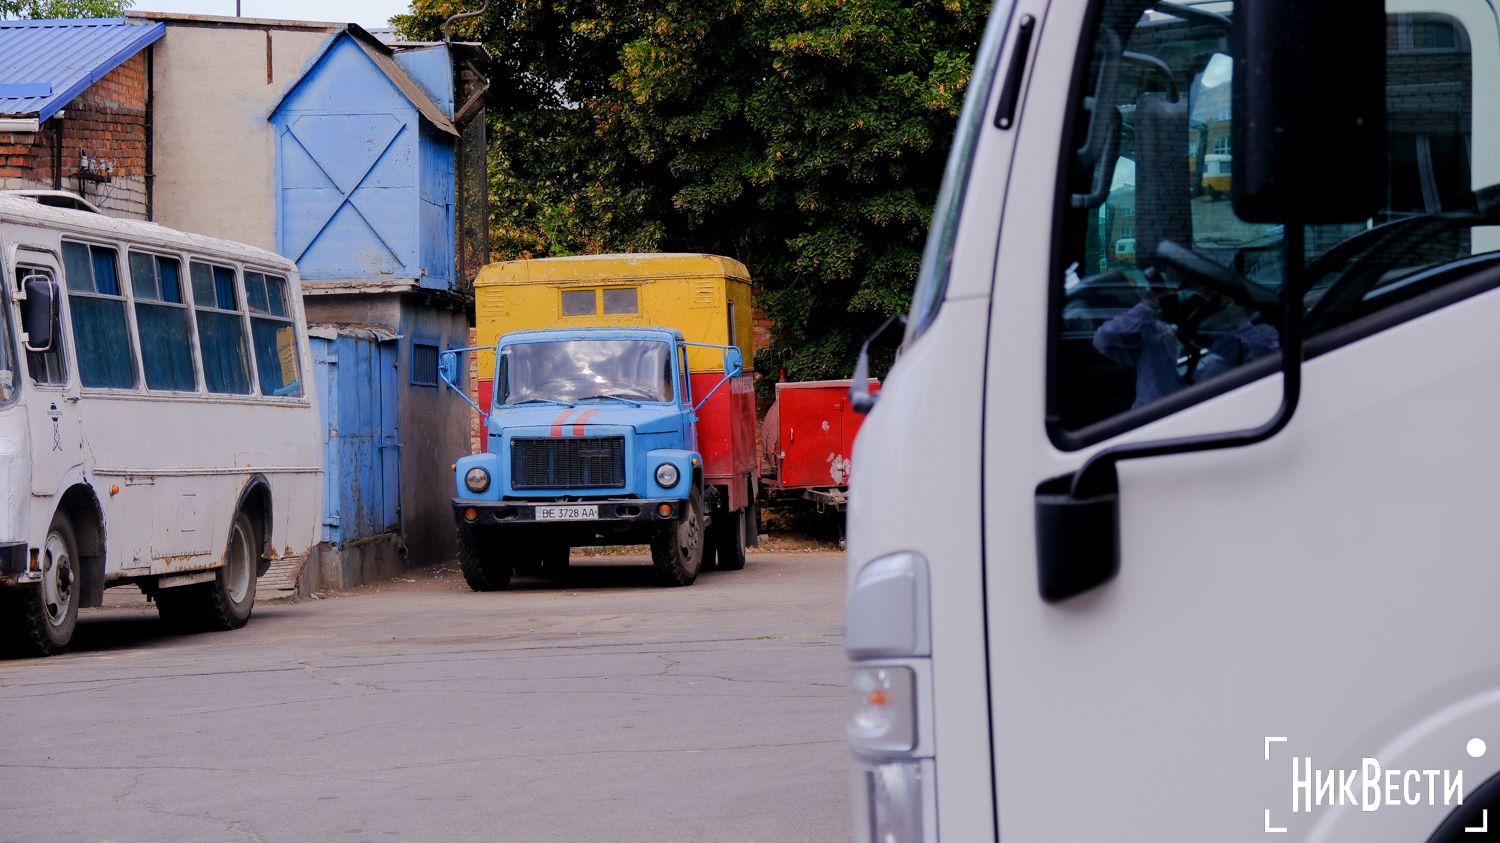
(13,564)
(620,511)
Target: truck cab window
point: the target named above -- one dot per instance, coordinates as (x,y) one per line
(1163,287)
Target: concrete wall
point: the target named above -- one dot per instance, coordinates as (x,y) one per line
(215,84)
(434,433)
(107,121)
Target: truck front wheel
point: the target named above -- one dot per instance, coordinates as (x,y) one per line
(677,550)
(477,558)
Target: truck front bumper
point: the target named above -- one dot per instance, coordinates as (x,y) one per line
(617,511)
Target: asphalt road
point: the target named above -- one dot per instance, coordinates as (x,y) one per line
(602,708)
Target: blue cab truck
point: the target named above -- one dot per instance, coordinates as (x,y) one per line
(592,439)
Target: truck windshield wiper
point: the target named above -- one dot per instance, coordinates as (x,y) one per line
(611,397)
(538,401)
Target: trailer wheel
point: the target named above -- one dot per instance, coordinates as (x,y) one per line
(42,617)
(729,541)
(482,570)
(226,602)
(677,550)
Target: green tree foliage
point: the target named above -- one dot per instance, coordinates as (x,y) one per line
(49,9)
(803,137)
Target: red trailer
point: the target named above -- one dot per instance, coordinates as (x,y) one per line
(808,442)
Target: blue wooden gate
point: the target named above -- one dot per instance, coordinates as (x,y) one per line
(357,384)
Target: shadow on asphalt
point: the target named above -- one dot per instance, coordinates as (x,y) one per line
(589,574)
(106,630)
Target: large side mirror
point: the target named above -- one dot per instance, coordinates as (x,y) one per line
(734,362)
(448,367)
(1308,135)
(39,313)
(861,400)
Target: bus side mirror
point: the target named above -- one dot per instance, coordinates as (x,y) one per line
(1308,131)
(39,313)
(861,400)
(734,362)
(448,367)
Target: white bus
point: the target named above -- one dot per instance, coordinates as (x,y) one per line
(1128,559)
(157,424)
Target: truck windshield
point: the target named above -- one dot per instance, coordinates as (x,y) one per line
(569,371)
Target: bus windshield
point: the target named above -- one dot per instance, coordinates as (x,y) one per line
(569,371)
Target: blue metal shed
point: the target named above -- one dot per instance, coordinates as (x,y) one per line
(357,397)
(365,170)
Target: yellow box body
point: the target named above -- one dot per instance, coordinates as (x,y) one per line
(706,297)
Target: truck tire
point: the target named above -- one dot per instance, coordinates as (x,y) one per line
(729,540)
(477,559)
(41,618)
(677,550)
(226,602)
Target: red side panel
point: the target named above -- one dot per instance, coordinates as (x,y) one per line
(726,434)
(815,433)
(486,395)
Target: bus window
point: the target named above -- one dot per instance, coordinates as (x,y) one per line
(45,369)
(101,329)
(161,315)
(7,363)
(273,335)
(221,330)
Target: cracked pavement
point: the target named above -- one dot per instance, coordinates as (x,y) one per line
(600,707)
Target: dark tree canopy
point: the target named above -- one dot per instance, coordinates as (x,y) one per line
(48,9)
(804,137)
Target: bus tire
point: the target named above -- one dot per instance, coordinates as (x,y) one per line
(42,618)
(226,602)
(677,550)
(477,559)
(729,541)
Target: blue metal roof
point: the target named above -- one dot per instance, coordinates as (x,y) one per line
(44,64)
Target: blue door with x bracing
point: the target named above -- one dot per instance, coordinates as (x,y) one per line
(364,180)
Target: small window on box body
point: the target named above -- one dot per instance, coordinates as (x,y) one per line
(621,300)
(579,303)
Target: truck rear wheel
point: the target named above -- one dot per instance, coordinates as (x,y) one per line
(728,539)
(677,551)
(482,570)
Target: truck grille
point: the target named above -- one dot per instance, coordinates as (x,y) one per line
(587,462)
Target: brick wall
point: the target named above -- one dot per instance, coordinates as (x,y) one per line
(107,121)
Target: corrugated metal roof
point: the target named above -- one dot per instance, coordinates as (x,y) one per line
(44,64)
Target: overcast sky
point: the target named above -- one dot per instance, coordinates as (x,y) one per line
(367,13)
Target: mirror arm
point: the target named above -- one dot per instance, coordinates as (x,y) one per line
(860,399)
(451,385)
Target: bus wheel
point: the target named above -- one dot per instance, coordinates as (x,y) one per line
(226,602)
(729,540)
(677,551)
(477,559)
(43,617)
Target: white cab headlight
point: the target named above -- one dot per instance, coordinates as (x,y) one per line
(477,479)
(884,709)
(666,475)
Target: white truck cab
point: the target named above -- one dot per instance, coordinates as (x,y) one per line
(1194,540)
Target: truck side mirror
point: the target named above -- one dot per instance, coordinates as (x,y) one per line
(861,400)
(1308,76)
(39,313)
(734,362)
(448,367)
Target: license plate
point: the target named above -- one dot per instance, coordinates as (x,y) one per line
(567,513)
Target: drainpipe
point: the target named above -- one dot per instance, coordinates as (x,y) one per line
(150,146)
(447,35)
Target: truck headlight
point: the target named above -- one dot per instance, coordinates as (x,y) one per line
(666,475)
(477,479)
